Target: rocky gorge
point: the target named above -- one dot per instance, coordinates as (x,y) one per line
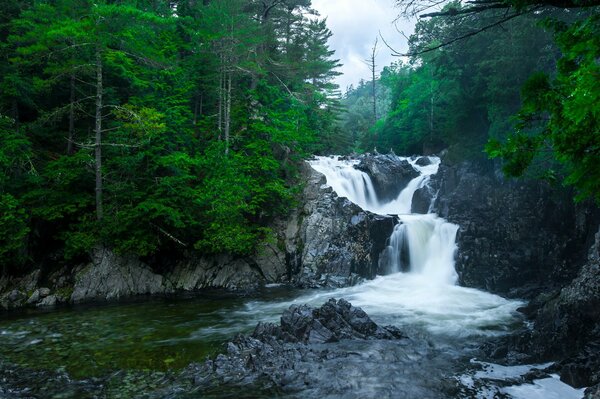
(523,240)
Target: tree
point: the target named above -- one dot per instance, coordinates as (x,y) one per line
(560,117)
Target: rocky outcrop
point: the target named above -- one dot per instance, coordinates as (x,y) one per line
(388,173)
(527,239)
(568,325)
(335,239)
(517,238)
(326,241)
(332,351)
(110,276)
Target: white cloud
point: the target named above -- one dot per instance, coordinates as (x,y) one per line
(355,25)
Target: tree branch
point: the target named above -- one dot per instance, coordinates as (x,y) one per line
(469,34)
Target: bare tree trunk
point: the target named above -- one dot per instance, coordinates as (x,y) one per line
(372,66)
(16,116)
(221,85)
(71,117)
(431,104)
(98,130)
(228,114)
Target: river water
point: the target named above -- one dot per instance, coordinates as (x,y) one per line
(420,297)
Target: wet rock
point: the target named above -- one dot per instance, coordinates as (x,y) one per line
(568,324)
(517,237)
(389,174)
(332,351)
(334,321)
(423,161)
(592,392)
(44,292)
(335,238)
(423,198)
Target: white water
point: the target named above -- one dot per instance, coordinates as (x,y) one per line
(426,294)
(485,382)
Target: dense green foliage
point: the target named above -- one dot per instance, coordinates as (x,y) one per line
(460,95)
(529,89)
(150,126)
(558,129)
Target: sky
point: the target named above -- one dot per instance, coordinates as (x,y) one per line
(355,24)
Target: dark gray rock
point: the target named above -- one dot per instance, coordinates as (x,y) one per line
(334,321)
(568,325)
(592,392)
(423,161)
(332,351)
(110,276)
(335,238)
(516,238)
(50,300)
(389,174)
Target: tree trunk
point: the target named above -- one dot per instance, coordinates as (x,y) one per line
(98,130)
(16,116)
(431,106)
(228,114)
(221,85)
(71,117)
(373,66)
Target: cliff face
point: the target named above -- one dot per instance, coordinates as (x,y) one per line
(526,239)
(516,238)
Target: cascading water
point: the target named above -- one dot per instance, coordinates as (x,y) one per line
(421,288)
(428,242)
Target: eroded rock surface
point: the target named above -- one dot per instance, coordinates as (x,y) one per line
(332,351)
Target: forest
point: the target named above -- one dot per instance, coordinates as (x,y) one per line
(153,126)
(149,126)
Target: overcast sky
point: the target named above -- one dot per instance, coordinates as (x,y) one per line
(355,25)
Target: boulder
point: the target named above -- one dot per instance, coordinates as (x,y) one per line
(110,276)
(50,300)
(389,174)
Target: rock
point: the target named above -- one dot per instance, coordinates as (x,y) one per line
(44,292)
(389,174)
(309,352)
(592,392)
(50,300)
(110,276)
(335,238)
(334,321)
(422,199)
(517,237)
(13,299)
(423,161)
(213,271)
(30,282)
(34,298)
(568,324)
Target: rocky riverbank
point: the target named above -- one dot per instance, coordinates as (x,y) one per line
(326,241)
(522,239)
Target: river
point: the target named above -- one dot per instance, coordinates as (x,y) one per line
(121,349)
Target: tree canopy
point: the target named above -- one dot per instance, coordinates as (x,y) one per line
(155,126)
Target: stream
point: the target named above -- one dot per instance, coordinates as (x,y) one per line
(123,349)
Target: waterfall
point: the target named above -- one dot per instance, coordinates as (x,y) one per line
(419,244)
